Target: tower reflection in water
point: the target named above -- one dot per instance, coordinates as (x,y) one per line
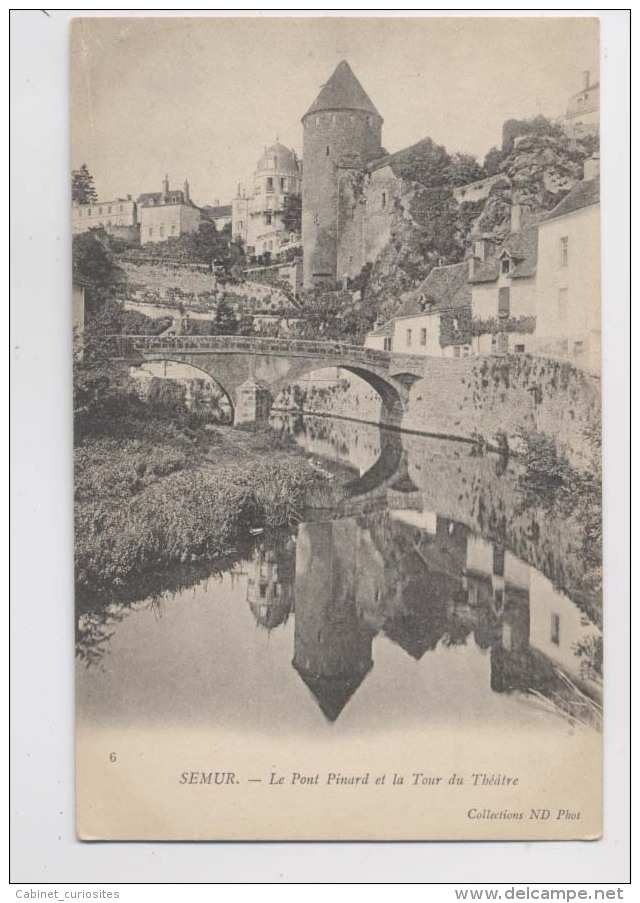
(421,581)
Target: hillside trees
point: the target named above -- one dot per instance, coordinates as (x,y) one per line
(82,188)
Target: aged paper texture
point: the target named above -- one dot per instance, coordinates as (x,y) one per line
(337,428)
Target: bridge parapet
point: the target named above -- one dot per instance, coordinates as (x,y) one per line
(126,346)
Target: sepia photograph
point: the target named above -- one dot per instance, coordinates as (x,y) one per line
(337,428)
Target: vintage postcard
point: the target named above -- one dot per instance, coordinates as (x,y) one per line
(336,295)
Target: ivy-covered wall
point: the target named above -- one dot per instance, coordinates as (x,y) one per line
(502,398)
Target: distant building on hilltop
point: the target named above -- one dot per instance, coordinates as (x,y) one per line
(118,217)
(167,213)
(258,218)
(583,111)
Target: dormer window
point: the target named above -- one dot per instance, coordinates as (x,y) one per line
(505,265)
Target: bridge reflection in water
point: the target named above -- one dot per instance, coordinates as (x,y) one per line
(345,605)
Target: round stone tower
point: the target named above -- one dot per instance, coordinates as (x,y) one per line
(342,128)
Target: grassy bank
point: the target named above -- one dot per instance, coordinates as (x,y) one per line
(151,492)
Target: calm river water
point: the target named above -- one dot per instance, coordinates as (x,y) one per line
(430,594)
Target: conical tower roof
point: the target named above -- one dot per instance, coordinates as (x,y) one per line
(332,693)
(343,91)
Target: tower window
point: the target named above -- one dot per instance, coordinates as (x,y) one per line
(327,150)
(269,183)
(384,199)
(283,183)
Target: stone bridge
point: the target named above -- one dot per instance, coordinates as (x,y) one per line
(250,368)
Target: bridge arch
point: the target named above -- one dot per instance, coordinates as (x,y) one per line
(199,372)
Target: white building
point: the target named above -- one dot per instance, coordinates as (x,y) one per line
(167,213)
(583,110)
(568,317)
(104,214)
(504,289)
(257,219)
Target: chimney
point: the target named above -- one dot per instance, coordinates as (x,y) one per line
(185,191)
(483,248)
(591,168)
(516,217)
(165,188)
(586,78)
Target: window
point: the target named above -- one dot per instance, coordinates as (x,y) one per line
(578,348)
(121,208)
(270,183)
(564,251)
(384,199)
(283,184)
(369,120)
(408,338)
(150,231)
(504,302)
(563,298)
(555,629)
(498,562)
(108,209)
(239,225)
(333,119)
(423,335)
(327,150)
(267,219)
(100,210)
(271,246)
(580,102)
(173,230)
(465,351)
(456,351)
(161,231)
(519,349)
(89,212)
(505,265)
(387,343)
(317,120)
(79,212)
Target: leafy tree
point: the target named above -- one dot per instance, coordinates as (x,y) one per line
(493,161)
(292,213)
(82,188)
(462,169)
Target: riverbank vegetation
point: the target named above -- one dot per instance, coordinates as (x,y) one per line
(155,487)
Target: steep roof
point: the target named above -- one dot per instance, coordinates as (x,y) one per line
(217,212)
(522,246)
(343,91)
(154,198)
(584,194)
(408,159)
(444,288)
